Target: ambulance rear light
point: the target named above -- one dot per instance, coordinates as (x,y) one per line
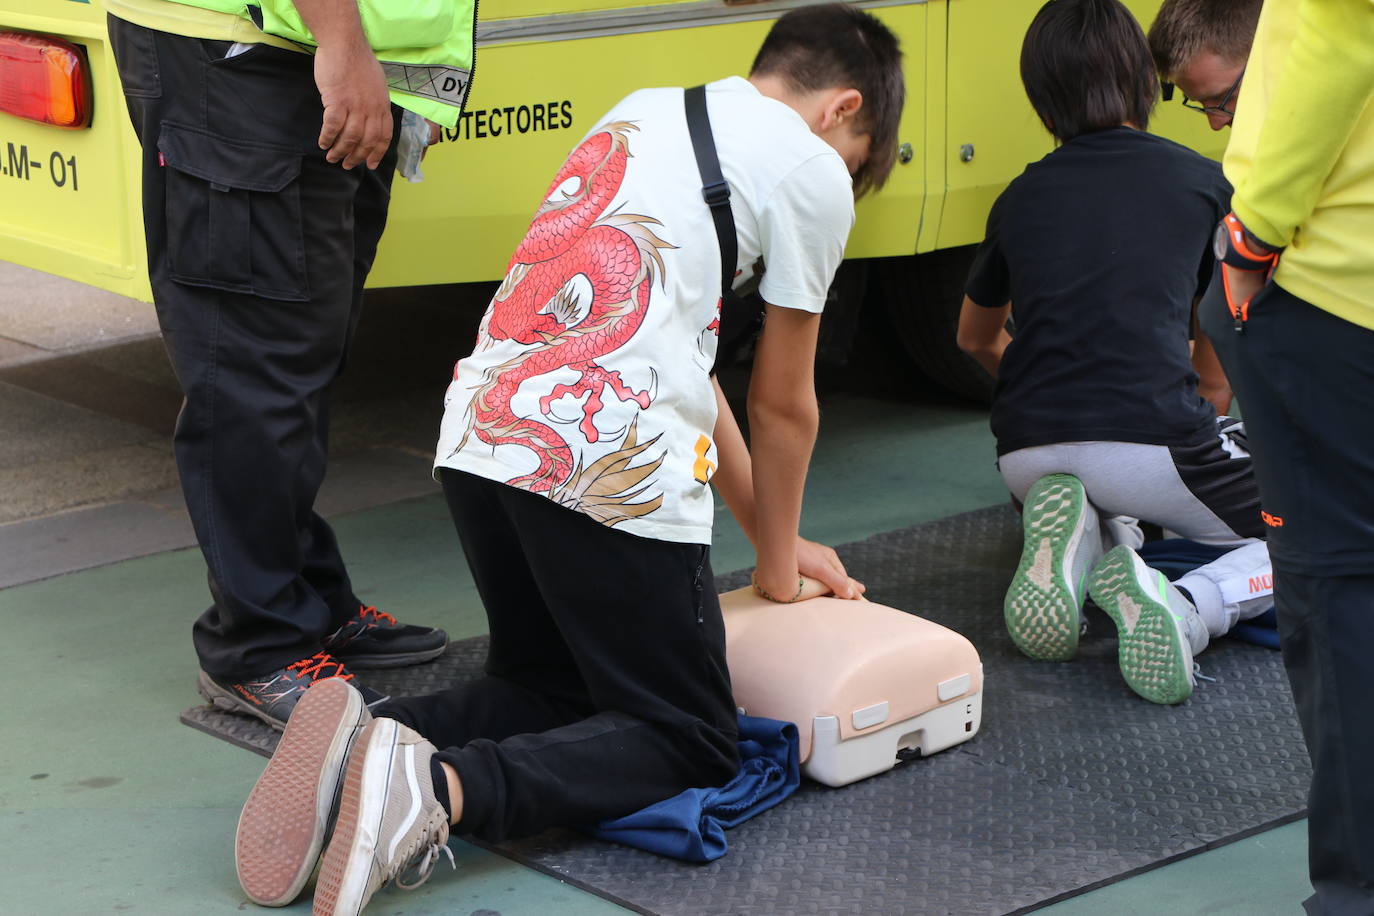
(44,79)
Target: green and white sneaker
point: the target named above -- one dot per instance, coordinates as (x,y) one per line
(1158,629)
(1062,541)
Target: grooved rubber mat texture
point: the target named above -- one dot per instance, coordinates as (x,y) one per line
(1073,781)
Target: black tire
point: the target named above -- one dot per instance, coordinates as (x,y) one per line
(922,295)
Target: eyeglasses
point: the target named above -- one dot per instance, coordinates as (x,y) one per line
(1225,108)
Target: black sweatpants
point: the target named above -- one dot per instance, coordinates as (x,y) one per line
(257,252)
(1305,380)
(606,686)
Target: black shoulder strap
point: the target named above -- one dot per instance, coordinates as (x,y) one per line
(714,190)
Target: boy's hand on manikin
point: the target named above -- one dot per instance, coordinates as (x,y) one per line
(817,561)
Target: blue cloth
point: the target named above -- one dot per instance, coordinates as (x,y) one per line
(1262,630)
(691,825)
(1177,556)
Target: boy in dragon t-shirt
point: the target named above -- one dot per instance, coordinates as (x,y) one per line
(578,445)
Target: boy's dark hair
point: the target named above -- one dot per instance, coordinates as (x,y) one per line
(1185,28)
(1086,67)
(822,47)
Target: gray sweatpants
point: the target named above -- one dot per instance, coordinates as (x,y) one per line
(1204,492)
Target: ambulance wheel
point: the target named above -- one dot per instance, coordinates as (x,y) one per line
(923,294)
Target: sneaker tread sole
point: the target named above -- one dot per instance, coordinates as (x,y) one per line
(1150,649)
(345,871)
(1040,609)
(283,824)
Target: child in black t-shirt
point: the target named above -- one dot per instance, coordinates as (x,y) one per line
(1097,252)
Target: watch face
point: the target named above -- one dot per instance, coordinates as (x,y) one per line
(1219,242)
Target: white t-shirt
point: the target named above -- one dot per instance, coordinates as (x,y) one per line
(589,383)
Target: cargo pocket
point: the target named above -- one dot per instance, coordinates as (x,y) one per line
(234,214)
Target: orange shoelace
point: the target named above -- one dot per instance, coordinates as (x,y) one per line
(319,666)
(379,617)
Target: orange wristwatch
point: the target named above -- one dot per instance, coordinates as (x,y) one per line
(1237,247)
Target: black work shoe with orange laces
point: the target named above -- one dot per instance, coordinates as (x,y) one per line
(272,696)
(374,639)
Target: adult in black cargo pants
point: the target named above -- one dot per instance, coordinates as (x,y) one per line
(258,247)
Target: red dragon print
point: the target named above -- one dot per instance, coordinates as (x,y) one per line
(576,289)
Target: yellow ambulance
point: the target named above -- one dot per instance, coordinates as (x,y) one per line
(546,69)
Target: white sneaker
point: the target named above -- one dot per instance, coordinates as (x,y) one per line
(1159,631)
(389,821)
(1044,604)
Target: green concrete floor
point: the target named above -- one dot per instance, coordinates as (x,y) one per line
(107,804)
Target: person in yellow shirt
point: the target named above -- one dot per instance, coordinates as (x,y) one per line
(1292,317)
(1200,48)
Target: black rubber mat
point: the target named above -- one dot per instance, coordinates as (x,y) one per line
(1073,782)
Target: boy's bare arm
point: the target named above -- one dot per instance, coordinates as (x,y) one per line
(983,333)
(1212,382)
(734,481)
(783,418)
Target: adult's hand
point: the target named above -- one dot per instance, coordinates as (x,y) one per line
(357,108)
(1241,285)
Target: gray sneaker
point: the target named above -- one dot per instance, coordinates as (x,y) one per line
(291,808)
(272,696)
(1044,603)
(1159,631)
(389,821)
